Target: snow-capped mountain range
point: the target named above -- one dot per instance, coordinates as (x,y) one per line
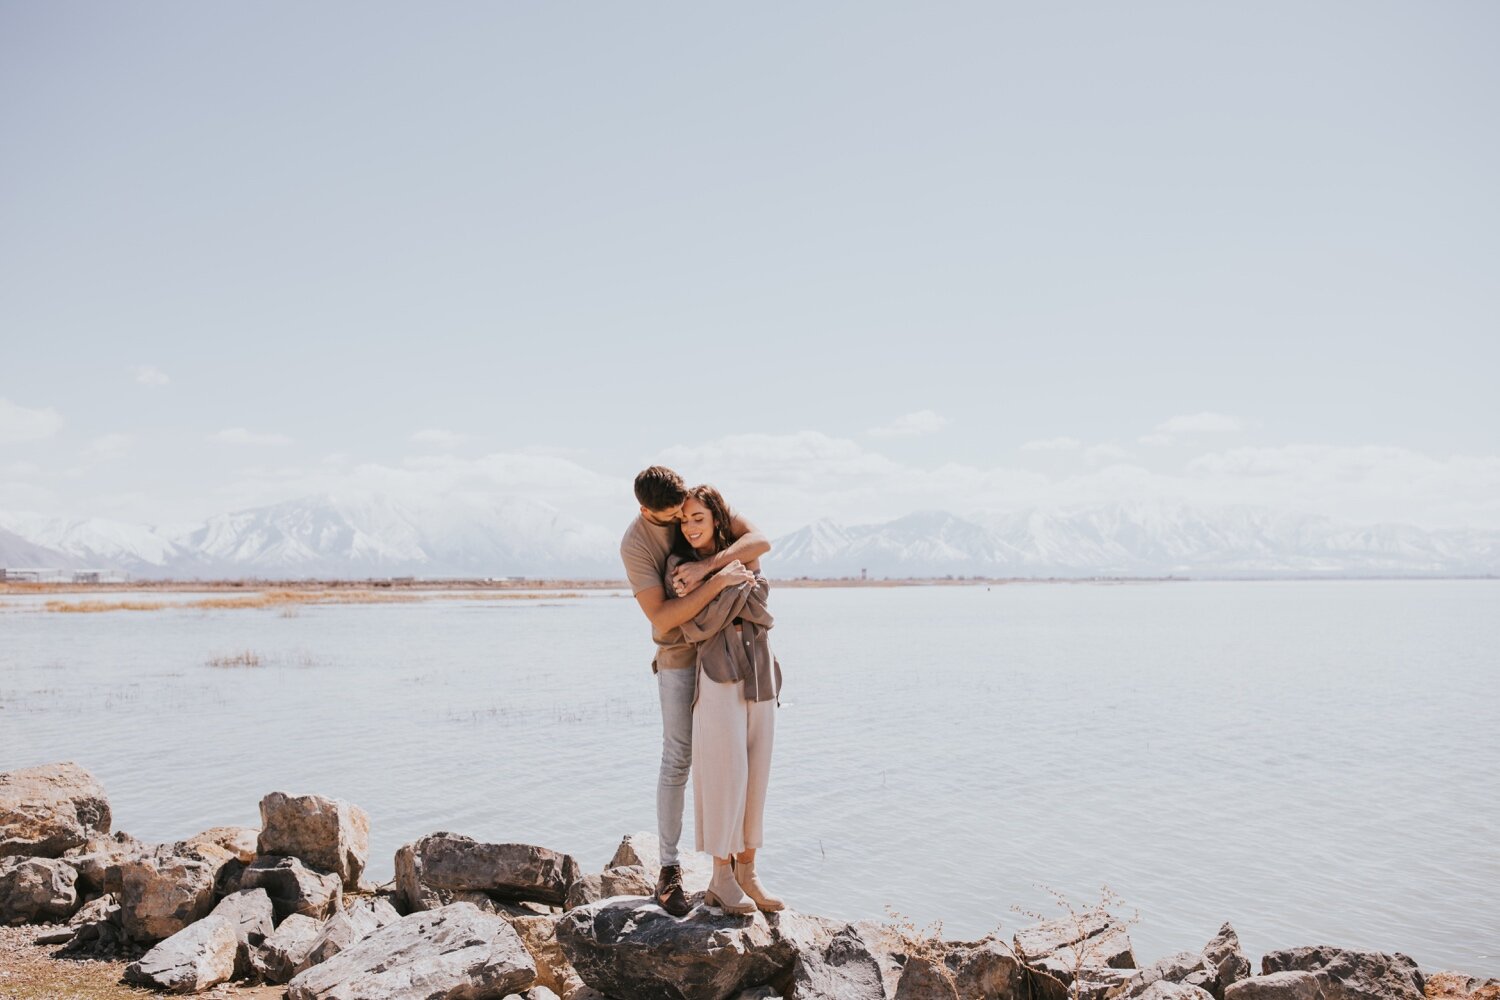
(377,536)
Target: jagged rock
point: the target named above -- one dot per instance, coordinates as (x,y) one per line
(239,842)
(47,810)
(36,889)
(93,857)
(104,907)
(843,968)
(925,977)
(1166,989)
(1225,953)
(1460,986)
(454,952)
(192,960)
(1281,986)
(631,947)
(985,969)
(329,834)
(538,932)
(1358,975)
(585,889)
(1189,967)
(1065,946)
(252,916)
(347,926)
(644,849)
(430,870)
(158,898)
(280,955)
(62,935)
(293,887)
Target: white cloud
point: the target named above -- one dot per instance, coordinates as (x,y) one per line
(18,423)
(149,375)
(108,447)
(1187,425)
(20,470)
(1053,444)
(911,425)
(239,435)
(1156,440)
(1102,453)
(439,438)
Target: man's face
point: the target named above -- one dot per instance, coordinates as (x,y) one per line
(670,515)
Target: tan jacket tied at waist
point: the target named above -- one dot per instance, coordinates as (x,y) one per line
(727,655)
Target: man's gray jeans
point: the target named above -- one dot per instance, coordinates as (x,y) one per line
(676,688)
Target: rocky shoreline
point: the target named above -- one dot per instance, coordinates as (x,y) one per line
(285,911)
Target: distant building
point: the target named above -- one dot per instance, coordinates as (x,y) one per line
(40,574)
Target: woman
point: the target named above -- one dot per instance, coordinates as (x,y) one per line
(734,711)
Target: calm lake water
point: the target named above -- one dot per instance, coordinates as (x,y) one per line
(1314,762)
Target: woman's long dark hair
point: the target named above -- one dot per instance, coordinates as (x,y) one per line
(718,510)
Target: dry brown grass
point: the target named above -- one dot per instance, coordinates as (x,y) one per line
(247,658)
(85,607)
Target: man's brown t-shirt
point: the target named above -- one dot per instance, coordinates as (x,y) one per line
(644,551)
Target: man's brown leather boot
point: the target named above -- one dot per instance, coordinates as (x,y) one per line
(669,894)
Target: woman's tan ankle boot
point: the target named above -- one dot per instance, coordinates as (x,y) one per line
(725,893)
(744,874)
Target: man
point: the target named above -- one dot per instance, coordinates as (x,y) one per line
(644,549)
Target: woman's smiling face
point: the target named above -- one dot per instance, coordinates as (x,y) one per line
(697,524)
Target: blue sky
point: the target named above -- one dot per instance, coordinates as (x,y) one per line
(845,259)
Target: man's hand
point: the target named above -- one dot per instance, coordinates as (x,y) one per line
(689,576)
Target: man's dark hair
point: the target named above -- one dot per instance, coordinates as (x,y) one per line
(659,488)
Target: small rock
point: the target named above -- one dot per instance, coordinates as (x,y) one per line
(1065,946)
(1189,967)
(627,880)
(158,898)
(455,952)
(1460,986)
(430,870)
(36,889)
(61,935)
(99,908)
(585,889)
(93,858)
(280,955)
(190,961)
(329,834)
(1358,975)
(294,887)
(346,927)
(985,969)
(924,977)
(629,947)
(47,810)
(644,849)
(239,841)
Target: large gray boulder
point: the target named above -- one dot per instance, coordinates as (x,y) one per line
(280,956)
(627,947)
(294,887)
(845,967)
(253,918)
(194,959)
(159,897)
(47,810)
(431,870)
(1227,957)
(1281,986)
(1357,975)
(36,889)
(455,952)
(329,834)
(349,925)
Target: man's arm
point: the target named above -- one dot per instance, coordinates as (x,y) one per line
(666,614)
(749,545)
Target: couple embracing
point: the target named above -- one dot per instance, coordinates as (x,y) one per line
(694,566)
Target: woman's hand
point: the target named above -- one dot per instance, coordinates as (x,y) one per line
(732,575)
(689,576)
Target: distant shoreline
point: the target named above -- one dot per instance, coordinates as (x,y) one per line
(351,587)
